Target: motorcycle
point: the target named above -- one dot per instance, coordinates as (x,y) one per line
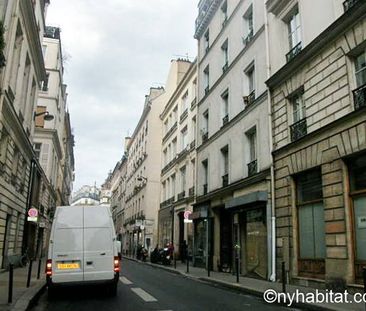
(165,256)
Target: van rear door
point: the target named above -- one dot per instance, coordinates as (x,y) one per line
(98,244)
(67,246)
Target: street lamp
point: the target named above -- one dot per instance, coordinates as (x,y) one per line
(47,115)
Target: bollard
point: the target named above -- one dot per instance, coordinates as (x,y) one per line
(29,272)
(237,269)
(208,268)
(187,264)
(283,277)
(175,262)
(10,292)
(39,269)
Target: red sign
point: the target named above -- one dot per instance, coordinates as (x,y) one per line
(33,212)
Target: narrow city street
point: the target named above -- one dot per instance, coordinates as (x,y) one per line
(143,287)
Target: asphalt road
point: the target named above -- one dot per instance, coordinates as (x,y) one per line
(143,287)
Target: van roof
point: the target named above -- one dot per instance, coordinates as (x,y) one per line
(79,216)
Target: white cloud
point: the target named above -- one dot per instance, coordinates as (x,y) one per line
(118,48)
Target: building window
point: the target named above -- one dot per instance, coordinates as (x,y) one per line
(225,165)
(206,79)
(309,201)
(294,34)
(359,94)
(204,130)
(225,107)
(299,127)
(184,104)
(183,179)
(224,13)
(225,55)
(4,140)
(205,175)
(248,25)
(37,150)
(173,186)
(206,39)
(184,138)
(252,144)
(174,148)
(249,85)
(45,82)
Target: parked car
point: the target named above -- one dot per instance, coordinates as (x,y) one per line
(83,249)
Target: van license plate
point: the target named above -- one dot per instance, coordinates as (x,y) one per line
(63,266)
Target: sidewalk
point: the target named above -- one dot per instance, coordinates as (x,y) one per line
(250,285)
(22,296)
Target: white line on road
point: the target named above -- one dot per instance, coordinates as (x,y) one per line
(143,295)
(125,280)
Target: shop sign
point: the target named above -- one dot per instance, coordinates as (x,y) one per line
(32,215)
(187,217)
(361,222)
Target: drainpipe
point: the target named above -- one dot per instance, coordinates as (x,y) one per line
(273,217)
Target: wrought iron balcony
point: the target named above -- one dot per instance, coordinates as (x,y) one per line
(204,137)
(248,38)
(349,4)
(359,97)
(252,168)
(225,120)
(298,129)
(249,99)
(225,180)
(294,51)
(191,192)
(225,67)
(205,189)
(207,89)
(183,115)
(193,103)
(181,195)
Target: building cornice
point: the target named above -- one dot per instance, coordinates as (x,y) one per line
(334,31)
(206,10)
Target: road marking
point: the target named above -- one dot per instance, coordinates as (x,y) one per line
(143,295)
(125,280)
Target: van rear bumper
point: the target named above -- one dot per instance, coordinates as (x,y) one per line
(50,283)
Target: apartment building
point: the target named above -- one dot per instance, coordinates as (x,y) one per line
(319,123)
(144,164)
(178,165)
(23,184)
(232,214)
(53,140)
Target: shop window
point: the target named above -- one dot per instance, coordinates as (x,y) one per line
(311,222)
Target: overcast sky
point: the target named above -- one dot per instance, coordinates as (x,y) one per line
(115,50)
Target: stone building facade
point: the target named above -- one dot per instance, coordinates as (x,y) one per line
(319,135)
(178,165)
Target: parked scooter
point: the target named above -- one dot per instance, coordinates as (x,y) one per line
(161,255)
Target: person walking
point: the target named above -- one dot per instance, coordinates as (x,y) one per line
(184,251)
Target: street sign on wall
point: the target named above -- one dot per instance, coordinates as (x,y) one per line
(32,215)
(187,217)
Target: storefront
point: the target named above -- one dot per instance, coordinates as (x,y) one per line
(250,234)
(165,226)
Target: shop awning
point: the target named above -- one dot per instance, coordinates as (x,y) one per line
(250,198)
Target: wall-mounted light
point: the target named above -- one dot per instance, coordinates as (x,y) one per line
(47,115)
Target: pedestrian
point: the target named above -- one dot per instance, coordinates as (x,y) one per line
(184,250)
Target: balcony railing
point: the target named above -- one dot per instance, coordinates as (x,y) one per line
(225,67)
(181,195)
(183,115)
(248,38)
(167,202)
(193,144)
(349,4)
(298,129)
(249,99)
(205,189)
(225,120)
(359,97)
(293,52)
(191,192)
(252,168)
(170,131)
(204,137)
(207,89)
(194,102)
(225,180)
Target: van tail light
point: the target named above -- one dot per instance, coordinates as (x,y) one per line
(116,264)
(49,267)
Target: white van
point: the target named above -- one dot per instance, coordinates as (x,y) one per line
(83,248)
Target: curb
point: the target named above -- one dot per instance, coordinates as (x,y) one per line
(29,298)
(231,286)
